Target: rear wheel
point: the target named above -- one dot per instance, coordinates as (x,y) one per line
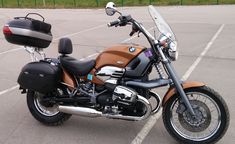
(46,113)
(208,126)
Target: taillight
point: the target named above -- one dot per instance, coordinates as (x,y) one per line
(6,30)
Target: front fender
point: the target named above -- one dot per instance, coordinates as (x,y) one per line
(172,90)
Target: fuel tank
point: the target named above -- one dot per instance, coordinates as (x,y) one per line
(117,56)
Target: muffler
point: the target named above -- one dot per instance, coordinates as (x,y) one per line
(89,112)
(82,111)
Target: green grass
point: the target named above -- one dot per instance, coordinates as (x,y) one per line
(101,3)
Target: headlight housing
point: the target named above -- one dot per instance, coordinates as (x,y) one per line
(172,51)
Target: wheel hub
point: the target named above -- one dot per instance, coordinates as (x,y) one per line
(45,108)
(200,121)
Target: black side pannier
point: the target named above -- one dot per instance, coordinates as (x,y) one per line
(40,76)
(28,32)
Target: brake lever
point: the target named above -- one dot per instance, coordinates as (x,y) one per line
(134,30)
(132,33)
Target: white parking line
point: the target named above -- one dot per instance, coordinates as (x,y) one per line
(147,127)
(9,89)
(196,62)
(153,119)
(86,30)
(12,50)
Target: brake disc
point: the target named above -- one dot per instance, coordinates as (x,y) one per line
(200,121)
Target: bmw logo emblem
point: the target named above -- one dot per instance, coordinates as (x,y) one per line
(132,49)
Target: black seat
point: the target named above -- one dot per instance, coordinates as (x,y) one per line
(76,67)
(72,65)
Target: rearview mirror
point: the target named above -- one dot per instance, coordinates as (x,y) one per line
(110,8)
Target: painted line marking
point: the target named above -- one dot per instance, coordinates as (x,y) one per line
(12,50)
(86,30)
(153,119)
(9,90)
(147,127)
(197,61)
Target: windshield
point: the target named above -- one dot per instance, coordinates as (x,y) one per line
(161,24)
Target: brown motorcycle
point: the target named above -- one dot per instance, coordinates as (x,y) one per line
(116,85)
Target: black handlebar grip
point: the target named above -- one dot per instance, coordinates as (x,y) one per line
(114,23)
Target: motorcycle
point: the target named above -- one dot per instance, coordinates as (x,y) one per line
(116,84)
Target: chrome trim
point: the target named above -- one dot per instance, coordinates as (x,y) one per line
(173,55)
(110,71)
(35,53)
(30,33)
(46,111)
(67,84)
(82,111)
(159,101)
(135,118)
(112,81)
(90,112)
(121,90)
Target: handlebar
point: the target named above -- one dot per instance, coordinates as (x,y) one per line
(114,23)
(122,21)
(136,27)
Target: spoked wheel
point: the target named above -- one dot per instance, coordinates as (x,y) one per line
(45,112)
(209,124)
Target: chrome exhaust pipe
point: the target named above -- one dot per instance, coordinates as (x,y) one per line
(82,111)
(89,112)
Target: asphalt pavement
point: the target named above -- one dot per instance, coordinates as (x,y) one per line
(209,29)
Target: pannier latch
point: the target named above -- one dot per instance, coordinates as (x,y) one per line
(23,91)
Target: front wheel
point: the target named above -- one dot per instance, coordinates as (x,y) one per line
(46,113)
(208,126)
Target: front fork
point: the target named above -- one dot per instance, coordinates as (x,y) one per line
(178,86)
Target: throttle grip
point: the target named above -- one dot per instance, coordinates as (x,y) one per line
(114,23)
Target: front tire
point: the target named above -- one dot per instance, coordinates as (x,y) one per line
(47,114)
(209,125)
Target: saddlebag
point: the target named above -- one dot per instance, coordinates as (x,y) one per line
(28,32)
(40,76)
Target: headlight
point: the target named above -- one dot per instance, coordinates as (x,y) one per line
(172,51)
(173,46)
(173,55)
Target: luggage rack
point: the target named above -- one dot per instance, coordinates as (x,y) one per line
(36,54)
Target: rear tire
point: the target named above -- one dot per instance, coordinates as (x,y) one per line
(188,130)
(46,114)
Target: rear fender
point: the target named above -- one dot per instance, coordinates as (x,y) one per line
(172,90)
(68,80)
